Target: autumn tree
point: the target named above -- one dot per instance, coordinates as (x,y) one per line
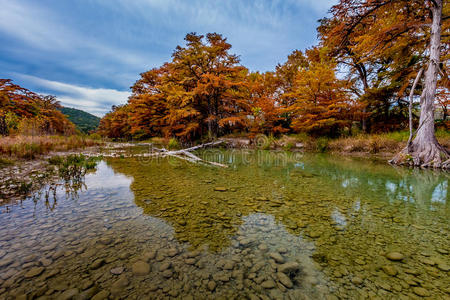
(322,105)
(268,115)
(374,37)
(200,92)
(23,111)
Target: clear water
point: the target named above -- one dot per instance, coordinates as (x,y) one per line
(141,229)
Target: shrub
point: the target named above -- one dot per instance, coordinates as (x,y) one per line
(322,144)
(173,144)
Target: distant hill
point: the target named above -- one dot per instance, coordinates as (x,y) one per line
(84,121)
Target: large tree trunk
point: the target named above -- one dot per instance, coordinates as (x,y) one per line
(425,150)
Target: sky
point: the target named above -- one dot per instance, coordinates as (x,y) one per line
(89,52)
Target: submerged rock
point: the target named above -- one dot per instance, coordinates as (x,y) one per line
(277,257)
(289,267)
(34,272)
(390,270)
(117,271)
(268,284)
(97,263)
(395,256)
(140,268)
(285,280)
(220,189)
(67,295)
(421,292)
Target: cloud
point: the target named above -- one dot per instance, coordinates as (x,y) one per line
(95,101)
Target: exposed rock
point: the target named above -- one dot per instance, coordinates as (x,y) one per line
(140,268)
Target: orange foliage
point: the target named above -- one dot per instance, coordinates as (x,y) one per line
(322,105)
(22,111)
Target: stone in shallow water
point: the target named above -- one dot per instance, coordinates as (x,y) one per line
(167,273)
(212,285)
(285,280)
(421,292)
(97,263)
(117,271)
(164,266)
(390,270)
(34,272)
(101,295)
(140,268)
(220,189)
(289,267)
(268,284)
(69,294)
(357,280)
(395,256)
(277,257)
(443,267)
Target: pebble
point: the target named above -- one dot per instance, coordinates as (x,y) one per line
(101,295)
(97,263)
(117,271)
(167,273)
(220,189)
(289,267)
(212,285)
(443,267)
(395,256)
(164,266)
(140,268)
(419,291)
(34,272)
(285,280)
(105,240)
(357,280)
(390,270)
(67,295)
(268,284)
(277,257)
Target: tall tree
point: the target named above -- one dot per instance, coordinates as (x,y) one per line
(388,35)
(322,105)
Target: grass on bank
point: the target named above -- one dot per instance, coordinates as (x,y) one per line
(30,147)
(389,143)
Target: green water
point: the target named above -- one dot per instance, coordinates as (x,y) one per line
(273,225)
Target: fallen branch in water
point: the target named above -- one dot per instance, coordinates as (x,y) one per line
(185,154)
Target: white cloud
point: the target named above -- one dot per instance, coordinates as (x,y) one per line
(95,101)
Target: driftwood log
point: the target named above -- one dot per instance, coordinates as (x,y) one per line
(185,154)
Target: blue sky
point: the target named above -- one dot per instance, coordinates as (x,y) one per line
(89,52)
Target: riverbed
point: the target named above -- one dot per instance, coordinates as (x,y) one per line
(273,225)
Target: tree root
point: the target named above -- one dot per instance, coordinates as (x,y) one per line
(430,155)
